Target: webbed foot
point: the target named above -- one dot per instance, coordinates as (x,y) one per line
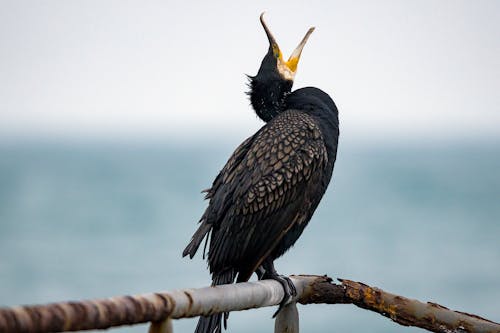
(289,291)
(267,271)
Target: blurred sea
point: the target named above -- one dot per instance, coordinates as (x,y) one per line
(88,220)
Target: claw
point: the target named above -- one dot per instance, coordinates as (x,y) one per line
(267,271)
(289,291)
(283,303)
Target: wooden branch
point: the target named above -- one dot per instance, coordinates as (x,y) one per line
(402,310)
(164,326)
(287,320)
(127,310)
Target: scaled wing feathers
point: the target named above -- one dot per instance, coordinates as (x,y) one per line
(261,187)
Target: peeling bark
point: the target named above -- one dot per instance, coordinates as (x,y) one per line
(404,311)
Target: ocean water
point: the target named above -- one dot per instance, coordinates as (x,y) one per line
(88,220)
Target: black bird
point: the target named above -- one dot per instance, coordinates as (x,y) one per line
(270,187)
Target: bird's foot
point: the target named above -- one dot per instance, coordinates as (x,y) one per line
(261,273)
(267,271)
(289,291)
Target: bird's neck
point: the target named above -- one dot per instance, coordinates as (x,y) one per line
(268,96)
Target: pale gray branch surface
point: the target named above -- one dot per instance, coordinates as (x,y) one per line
(157,307)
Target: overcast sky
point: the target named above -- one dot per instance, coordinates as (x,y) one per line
(163,70)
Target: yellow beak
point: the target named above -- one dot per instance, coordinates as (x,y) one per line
(287,69)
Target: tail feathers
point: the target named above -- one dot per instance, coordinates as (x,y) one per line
(213,323)
(195,242)
(210,324)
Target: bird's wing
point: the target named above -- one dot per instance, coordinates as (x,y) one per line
(264,189)
(221,192)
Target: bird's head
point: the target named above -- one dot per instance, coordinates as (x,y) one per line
(274,80)
(274,63)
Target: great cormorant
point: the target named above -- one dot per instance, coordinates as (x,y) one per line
(268,190)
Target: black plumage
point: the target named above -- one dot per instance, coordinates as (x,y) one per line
(267,192)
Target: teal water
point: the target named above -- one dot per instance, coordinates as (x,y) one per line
(85,221)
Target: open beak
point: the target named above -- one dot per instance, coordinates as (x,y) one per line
(287,69)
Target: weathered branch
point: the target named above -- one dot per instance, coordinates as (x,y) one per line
(402,310)
(127,310)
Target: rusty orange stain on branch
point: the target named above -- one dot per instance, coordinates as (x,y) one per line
(373,298)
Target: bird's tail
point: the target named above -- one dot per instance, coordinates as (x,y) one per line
(213,323)
(197,238)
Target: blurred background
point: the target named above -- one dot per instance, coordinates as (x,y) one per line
(114,115)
